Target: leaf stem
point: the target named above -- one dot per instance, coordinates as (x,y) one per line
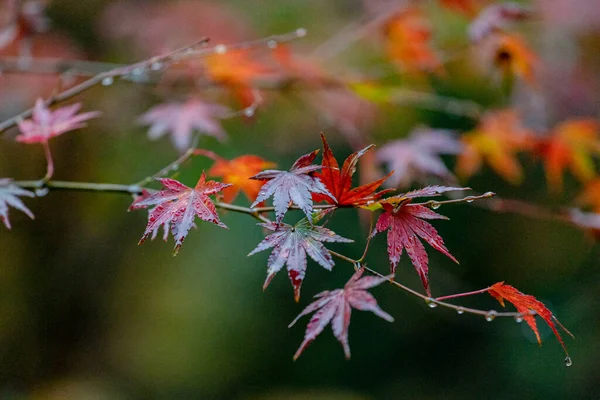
(49,162)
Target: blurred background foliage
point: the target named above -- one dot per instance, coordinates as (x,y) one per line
(85,313)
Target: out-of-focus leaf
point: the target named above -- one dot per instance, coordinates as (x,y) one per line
(181,119)
(9,193)
(238,172)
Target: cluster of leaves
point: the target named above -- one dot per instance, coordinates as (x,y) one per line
(498,139)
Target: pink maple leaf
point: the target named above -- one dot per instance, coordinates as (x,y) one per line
(181,119)
(418,156)
(291,244)
(8,197)
(46,124)
(335,307)
(177,205)
(295,185)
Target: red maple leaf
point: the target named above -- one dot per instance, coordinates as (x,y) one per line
(291,244)
(339,182)
(181,119)
(335,307)
(46,124)
(295,185)
(8,197)
(405,224)
(177,205)
(524,304)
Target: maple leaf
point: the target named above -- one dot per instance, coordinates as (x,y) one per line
(590,196)
(295,185)
(238,172)
(8,197)
(178,205)
(572,145)
(497,139)
(524,304)
(335,307)
(46,124)
(417,157)
(136,206)
(181,119)
(467,7)
(338,182)
(291,244)
(511,55)
(405,224)
(408,36)
(496,18)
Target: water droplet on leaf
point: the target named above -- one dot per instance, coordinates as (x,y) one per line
(108,81)
(301,32)
(272,44)
(249,112)
(435,205)
(460,311)
(220,49)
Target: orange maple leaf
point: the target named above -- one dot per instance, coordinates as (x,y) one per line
(237,173)
(512,56)
(408,43)
(572,145)
(525,304)
(497,139)
(236,70)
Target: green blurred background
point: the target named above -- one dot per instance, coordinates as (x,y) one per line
(85,313)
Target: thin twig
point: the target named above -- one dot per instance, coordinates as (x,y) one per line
(100,78)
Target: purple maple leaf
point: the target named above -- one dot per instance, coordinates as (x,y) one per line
(291,244)
(417,157)
(181,119)
(46,124)
(8,197)
(335,307)
(295,185)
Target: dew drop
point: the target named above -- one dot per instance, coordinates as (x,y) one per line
(108,81)
(490,316)
(301,32)
(249,112)
(174,167)
(156,66)
(431,303)
(41,192)
(435,205)
(220,49)
(518,319)
(469,200)
(568,361)
(460,311)
(272,44)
